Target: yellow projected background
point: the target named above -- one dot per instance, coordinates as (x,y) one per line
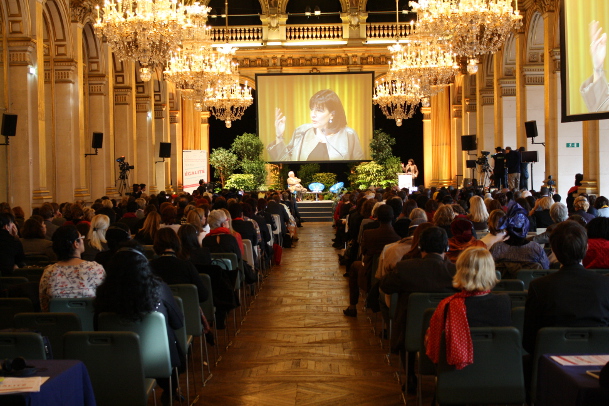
(291,93)
(578,15)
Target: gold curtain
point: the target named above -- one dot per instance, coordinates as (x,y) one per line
(191,127)
(441,138)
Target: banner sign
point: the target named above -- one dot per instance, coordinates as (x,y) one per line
(194,164)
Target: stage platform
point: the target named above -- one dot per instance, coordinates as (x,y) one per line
(317,211)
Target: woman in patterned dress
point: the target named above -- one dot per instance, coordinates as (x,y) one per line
(71,277)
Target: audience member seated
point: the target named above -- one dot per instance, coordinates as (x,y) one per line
(19,217)
(602,206)
(474,306)
(402,224)
(597,256)
(11,248)
(70,277)
(541,212)
(169,217)
(417,216)
(233,232)
(478,214)
(559,213)
(444,217)
(115,236)
(517,252)
(581,206)
(172,269)
(152,224)
(198,218)
(96,238)
(191,250)
(433,272)
(275,207)
(246,229)
(132,291)
(33,239)
(373,242)
(220,239)
(76,214)
(570,297)
(462,238)
(494,233)
(48,213)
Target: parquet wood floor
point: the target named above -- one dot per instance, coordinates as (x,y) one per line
(296,347)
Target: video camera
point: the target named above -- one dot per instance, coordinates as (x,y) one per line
(483,158)
(124,165)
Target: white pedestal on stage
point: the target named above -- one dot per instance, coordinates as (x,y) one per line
(405,180)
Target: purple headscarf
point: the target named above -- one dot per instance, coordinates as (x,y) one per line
(516,222)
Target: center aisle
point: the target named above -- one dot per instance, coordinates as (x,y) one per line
(296,347)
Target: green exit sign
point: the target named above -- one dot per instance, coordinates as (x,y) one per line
(572,144)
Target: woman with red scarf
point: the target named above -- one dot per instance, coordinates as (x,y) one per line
(220,239)
(474,306)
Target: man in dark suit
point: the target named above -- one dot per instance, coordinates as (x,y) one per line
(373,242)
(243,227)
(274,207)
(571,297)
(432,273)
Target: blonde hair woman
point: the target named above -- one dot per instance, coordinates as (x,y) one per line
(96,238)
(197,218)
(152,224)
(235,234)
(478,214)
(474,306)
(541,212)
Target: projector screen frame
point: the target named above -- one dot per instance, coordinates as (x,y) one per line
(350,119)
(566,115)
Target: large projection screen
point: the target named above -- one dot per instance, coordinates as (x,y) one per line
(320,133)
(585,92)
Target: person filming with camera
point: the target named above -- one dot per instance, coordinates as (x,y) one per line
(499,169)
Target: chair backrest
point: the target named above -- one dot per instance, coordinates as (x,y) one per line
(192,315)
(27,345)
(113,360)
(9,307)
(232,257)
(513,285)
(568,341)
(277,221)
(393,304)
(527,275)
(154,343)
(249,252)
(83,307)
(517,298)
(498,273)
(32,274)
(209,310)
(6,281)
(600,271)
(496,375)
(51,325)
(518,320)
(149,251)
(268,226)
(181,334)
(417,304)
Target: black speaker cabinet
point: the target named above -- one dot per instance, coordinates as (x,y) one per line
(470,164)
(165,150)
(97,141)
(529,156)
(468,142)
(9,124)
(531,128)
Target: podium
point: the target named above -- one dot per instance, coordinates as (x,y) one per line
(405,180)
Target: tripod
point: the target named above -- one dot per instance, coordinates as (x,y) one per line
(485,177)
(122,182)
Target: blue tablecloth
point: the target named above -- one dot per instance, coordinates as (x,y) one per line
(68,385)
(559,385)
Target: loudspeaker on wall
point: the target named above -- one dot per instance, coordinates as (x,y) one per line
(531,128)
(97,141)
(9,124)
(165,150)
(468,142)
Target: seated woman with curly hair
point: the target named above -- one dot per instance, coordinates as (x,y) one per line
(474,306)
(443,217)
(33,239)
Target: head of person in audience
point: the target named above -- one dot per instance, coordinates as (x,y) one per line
(559,212)
(166,241)
(7,222)
(459,210)
(433,240)
(417,217)
(97,232)
(601,202)
(462,230)
(367,208)
(197,218)
(33,228)
(581,203)
(47,212)
(516,224)
(569,242)
(495,205)
(217,218)
(494,219)
(117,234)
(384,214)
(598,228)
(477,210)
(415,249)
(189,240)
(129,288)
(444,216)
(475,270)
(169,214)
(578,219)
(68,243)
(396,204)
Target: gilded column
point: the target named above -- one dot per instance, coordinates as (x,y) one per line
(175,134)
(124,122)
(591,150)
(81,192)
(550,95)
(498,99)
(145,145)
(441,140)
(205,139)
(521,98)
(427,146)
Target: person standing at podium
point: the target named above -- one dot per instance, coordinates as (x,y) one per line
(411,169)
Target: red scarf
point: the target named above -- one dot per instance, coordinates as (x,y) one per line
(459,345)
(219,230)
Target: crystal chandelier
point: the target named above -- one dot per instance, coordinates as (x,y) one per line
(425,59)
(142,30)
(474,27)
(227,102)
(398,98)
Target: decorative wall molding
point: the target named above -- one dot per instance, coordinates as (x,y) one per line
(508,87)
(174,117)
(122,95)
(457,111)
(533,75)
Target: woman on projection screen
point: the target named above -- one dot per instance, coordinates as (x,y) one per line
(326,138)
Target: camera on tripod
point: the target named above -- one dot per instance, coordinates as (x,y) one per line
(483,158)
(124,165)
